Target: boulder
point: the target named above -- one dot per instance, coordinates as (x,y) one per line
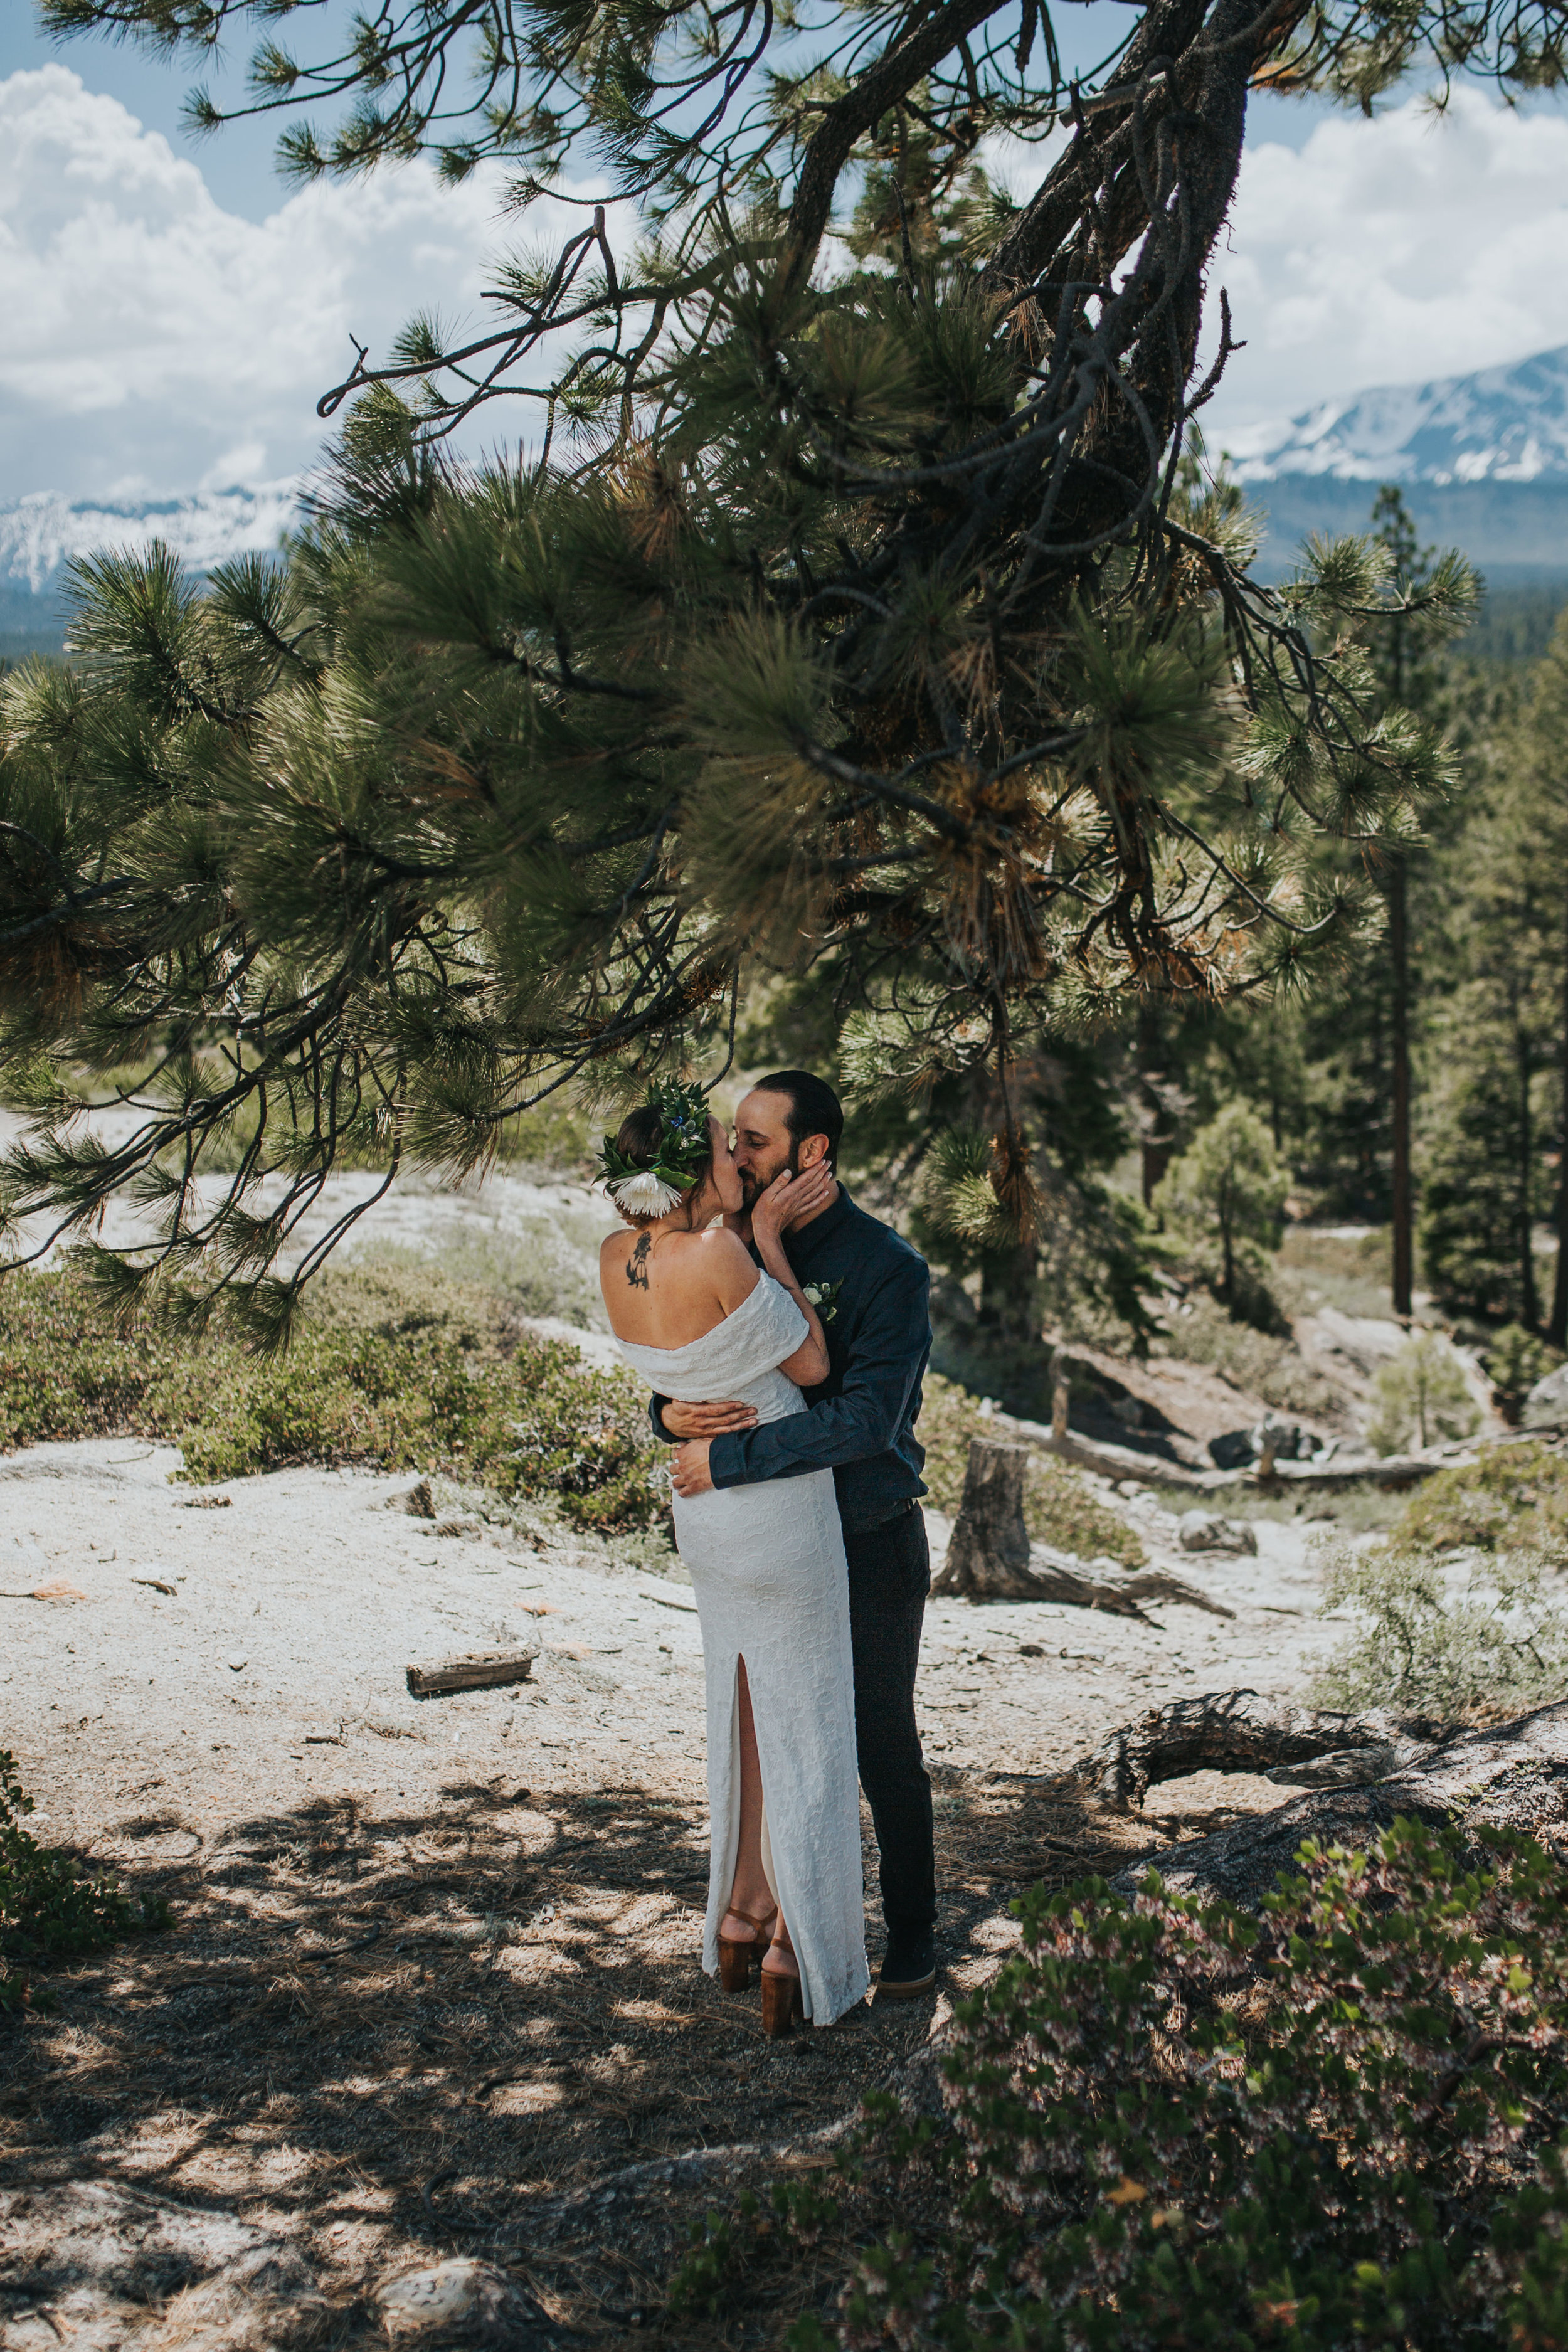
(1206,1531)
(1546,1406)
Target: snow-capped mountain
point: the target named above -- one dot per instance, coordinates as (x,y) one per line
(40,534)
(1501,425)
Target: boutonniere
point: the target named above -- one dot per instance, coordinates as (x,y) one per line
(824,1297)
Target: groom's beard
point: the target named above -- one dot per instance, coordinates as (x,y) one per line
(751,1184)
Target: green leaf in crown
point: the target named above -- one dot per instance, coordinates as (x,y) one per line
(682,1152)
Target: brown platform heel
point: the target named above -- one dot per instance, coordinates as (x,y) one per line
(782,2003)
(735,1958)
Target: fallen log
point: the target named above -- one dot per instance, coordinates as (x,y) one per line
(1237,1731)
(1511,1774)
(481,1673)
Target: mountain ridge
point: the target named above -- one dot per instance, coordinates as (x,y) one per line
(1506,423)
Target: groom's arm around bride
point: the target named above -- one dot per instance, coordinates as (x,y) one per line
(872,1295)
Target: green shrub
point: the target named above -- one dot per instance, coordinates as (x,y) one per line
(48,1908)
(1173,2125)
(1422,1397)
(1059,1508)
(1511,1494)
(1437,1639)
(1261,1363)
(392,1369)
(1516,1360)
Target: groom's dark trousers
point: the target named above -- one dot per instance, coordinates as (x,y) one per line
(875,1315)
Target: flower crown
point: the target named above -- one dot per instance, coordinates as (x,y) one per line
(683,1150)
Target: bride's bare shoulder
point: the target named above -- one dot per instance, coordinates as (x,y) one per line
(719,1259)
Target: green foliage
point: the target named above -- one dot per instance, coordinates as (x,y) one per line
(1516,1360)
(1508,1495)
(1224,1198)
(1443,1638)
(1173,2125)
(394,1368)
(1060,1506)
(50,1908)
(1421,1396)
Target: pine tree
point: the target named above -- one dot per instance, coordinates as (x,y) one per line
(826,606)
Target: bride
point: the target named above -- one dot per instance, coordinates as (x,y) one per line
(695,1318)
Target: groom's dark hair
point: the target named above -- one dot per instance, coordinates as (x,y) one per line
(814,1108)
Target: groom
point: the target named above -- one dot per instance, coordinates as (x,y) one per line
(871,1291)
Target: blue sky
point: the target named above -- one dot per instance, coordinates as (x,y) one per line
(175,309)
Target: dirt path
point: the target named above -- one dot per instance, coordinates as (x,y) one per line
(433,1971)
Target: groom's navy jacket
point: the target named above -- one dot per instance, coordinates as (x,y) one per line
(861,1424)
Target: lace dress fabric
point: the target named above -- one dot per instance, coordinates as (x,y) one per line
(767,1568)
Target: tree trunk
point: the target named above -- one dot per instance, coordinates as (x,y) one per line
(1557,1330)
(988,1555)
(1511,1774)
(1399,1024)
(1236,1731)
(1158,1139)
(1530,1305)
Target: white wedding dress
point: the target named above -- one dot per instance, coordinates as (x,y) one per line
(767,1567)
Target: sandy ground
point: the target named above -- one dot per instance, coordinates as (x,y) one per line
(433,1965)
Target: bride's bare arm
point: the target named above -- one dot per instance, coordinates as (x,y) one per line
(786,1198)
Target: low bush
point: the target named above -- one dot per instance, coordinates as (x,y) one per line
(1515,1494)
(1200,1332)
(1171,2125)
(49,1907)
(1059,1508)
(392,1369)
(1440,1637)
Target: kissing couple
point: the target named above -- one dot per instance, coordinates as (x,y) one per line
(784,1334)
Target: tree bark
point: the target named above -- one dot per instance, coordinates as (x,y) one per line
(1158,1139)
(1513,1775)
(1399,1024)
(1530,1305)
(988,1554)
(1557,1330)
(1233,1731)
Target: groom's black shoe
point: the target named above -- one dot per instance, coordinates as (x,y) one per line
(909,1966)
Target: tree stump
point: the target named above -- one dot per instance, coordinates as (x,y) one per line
(988,1556)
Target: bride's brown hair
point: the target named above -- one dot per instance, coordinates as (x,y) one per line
(639,1139)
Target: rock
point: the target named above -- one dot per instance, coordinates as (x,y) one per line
(415,1498)
(1203,1531)
(1232,1450)
(1546,1406)
(459,2293)
(466,1527)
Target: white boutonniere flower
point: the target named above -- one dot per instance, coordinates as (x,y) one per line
(824,1297)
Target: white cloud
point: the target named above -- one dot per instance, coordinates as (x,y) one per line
(155,341)
(1391,250)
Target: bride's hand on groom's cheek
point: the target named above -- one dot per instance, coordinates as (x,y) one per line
(788,1197)
(690,1472)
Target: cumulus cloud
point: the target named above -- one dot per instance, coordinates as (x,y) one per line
(1391,250)
(158,342)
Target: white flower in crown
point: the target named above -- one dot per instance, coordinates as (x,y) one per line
(645,1195)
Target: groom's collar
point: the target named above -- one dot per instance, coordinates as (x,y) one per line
(805,1242)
